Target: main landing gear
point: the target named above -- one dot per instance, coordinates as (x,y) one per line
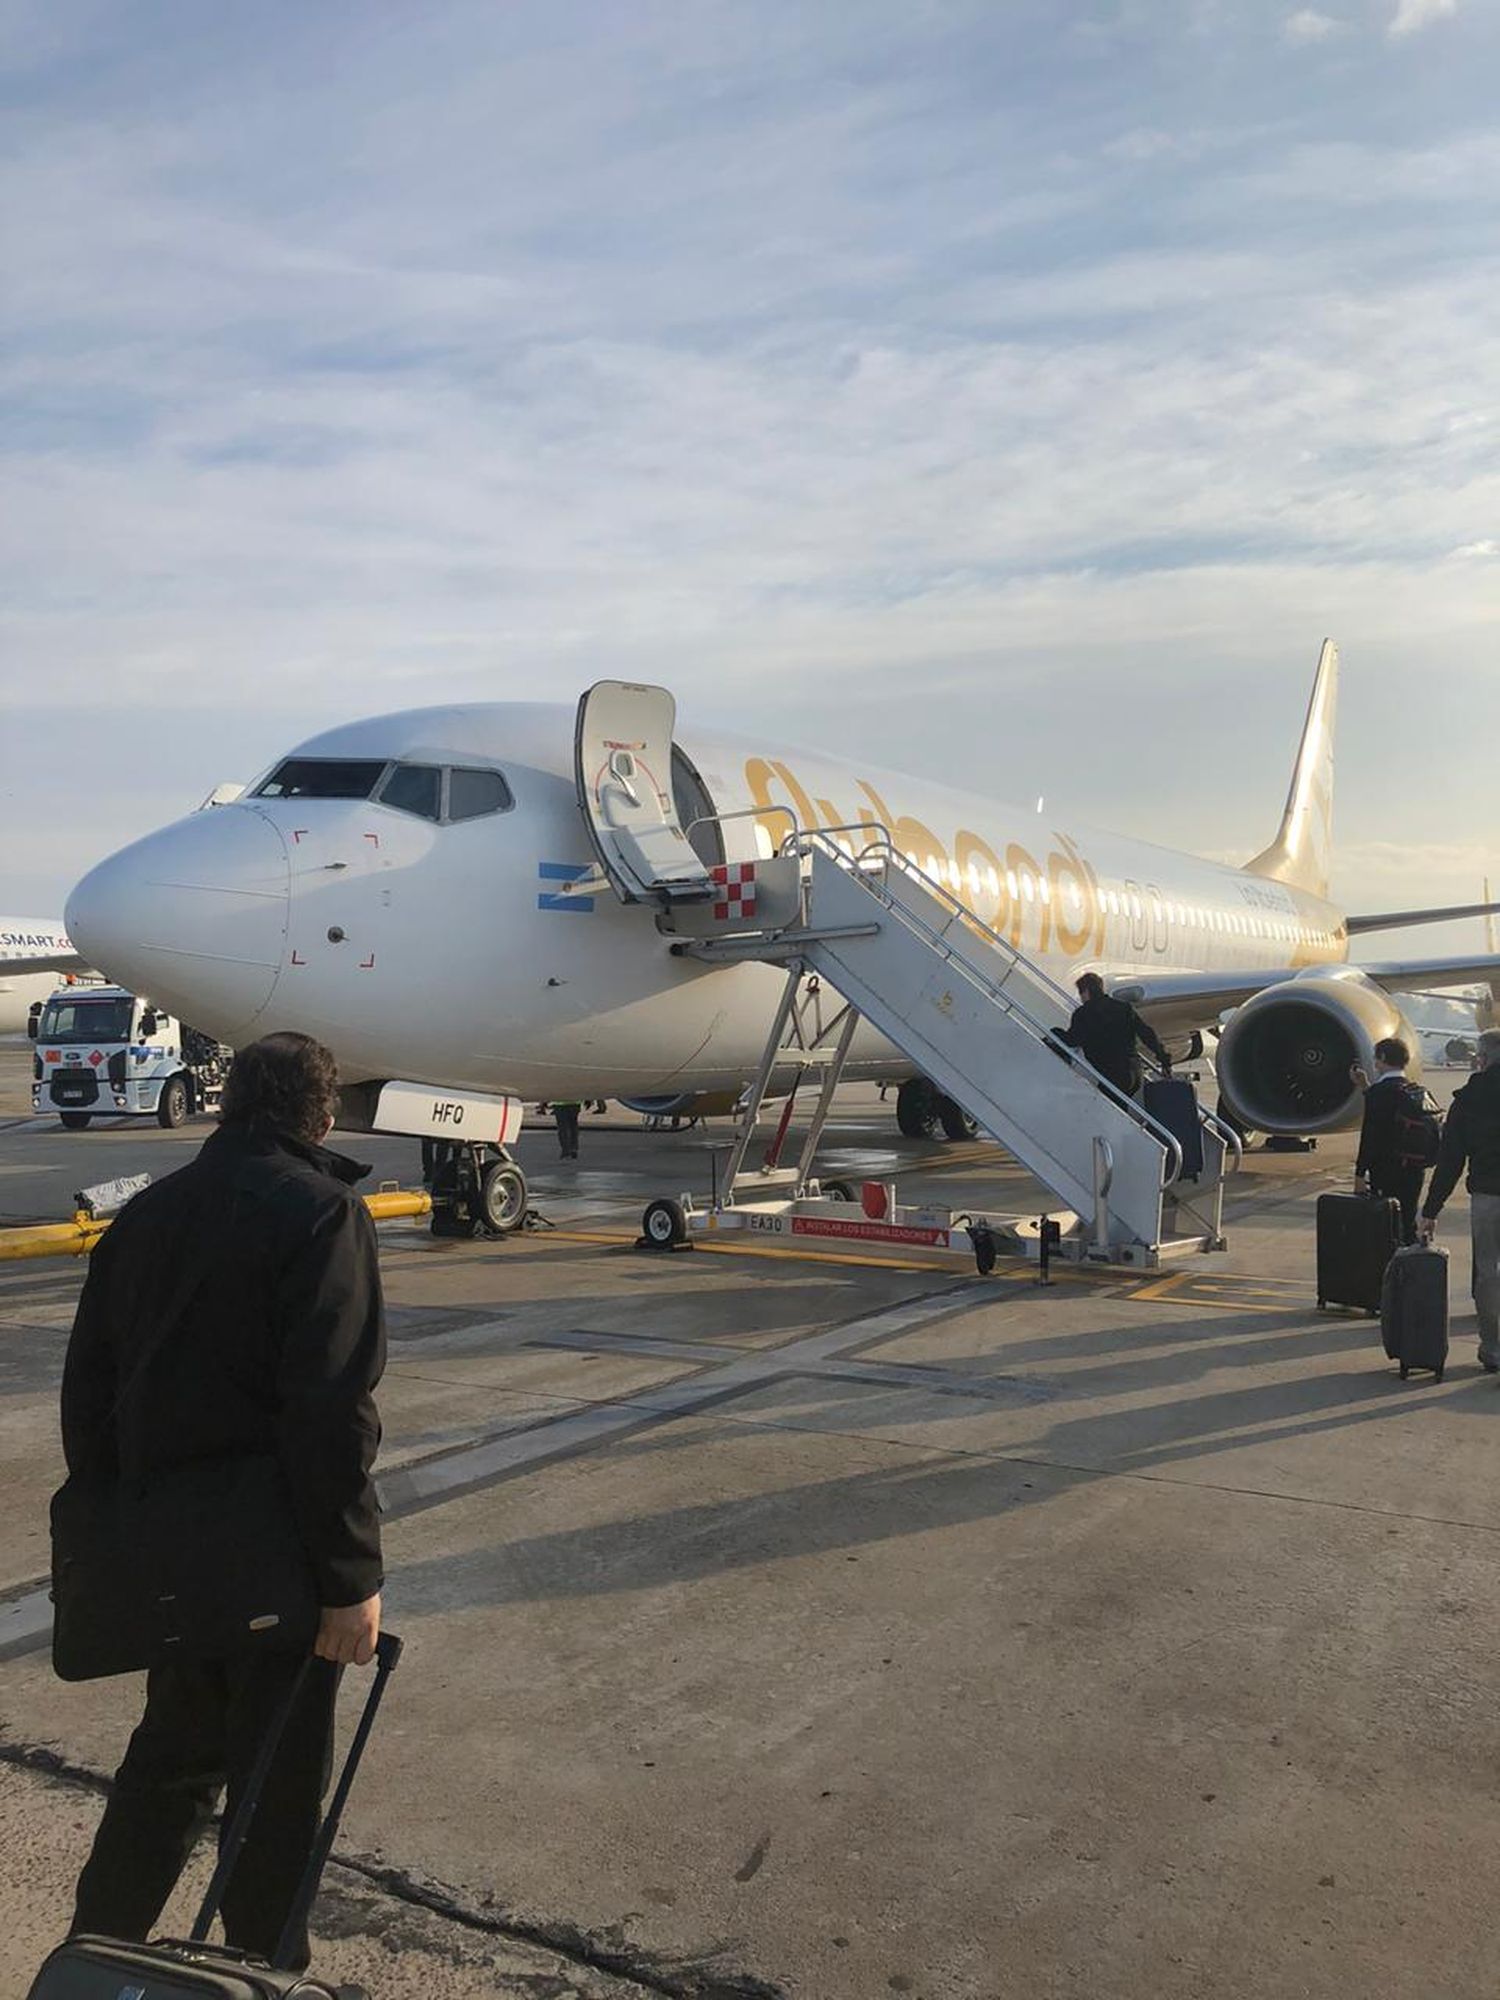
(922,1111)
(476,1190)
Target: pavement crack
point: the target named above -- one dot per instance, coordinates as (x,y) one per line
(676,1978)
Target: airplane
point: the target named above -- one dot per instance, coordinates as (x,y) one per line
(484,904)
(33,952)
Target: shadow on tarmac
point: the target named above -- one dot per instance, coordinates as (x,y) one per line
(683,1544)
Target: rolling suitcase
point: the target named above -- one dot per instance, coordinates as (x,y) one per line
(1173,1102)
(1357,1238)
(99,1968)
(1414,1309)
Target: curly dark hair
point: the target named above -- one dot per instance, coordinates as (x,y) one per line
(288,1082)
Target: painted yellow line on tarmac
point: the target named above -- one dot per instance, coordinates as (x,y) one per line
(1176,1288)
(1161,1288)
(727,1249)
(1227,1294)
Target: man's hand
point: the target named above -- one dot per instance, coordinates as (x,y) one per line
(347,1632)
(1426,1228)
(1359,1076)
(1361,1183)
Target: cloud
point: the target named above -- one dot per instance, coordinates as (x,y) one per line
(1307,25)
(1412,16)
(856,380)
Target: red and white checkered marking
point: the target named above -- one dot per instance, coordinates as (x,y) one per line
(737,881)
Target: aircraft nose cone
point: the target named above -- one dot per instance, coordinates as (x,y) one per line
(193,917)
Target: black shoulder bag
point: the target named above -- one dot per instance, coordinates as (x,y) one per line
(202,1561)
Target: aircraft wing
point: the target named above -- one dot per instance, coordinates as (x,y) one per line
(1423,975)
(1180,1000)
(62,961)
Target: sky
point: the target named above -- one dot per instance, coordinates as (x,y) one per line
(1014,393)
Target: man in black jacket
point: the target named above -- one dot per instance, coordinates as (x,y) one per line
(1105,1032)
(1379,1168)
(277,1353)
(1472,1134)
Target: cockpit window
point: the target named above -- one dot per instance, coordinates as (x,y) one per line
(473,793)
(322,778)
(415,788)
(430,791)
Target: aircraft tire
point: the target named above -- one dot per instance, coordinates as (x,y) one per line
(75,1121)
(502,1196)
(916,1109)
(663,1225)
(172,1105)
(955,1121)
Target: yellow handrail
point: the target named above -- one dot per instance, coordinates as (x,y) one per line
(78,1237)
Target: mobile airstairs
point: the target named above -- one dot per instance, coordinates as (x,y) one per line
(963,1005)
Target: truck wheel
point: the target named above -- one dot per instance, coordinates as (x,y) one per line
(502,1196)
(172,1105)
(916,1109)
(663,1225)
(955,1121)
(75,1121)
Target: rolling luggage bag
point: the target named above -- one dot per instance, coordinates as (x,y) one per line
(1357,1238)
(1414,1309)
(1173,1102)
(100,1968)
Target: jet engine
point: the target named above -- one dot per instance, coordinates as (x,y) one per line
(1285,1056)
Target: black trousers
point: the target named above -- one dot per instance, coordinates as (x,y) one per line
(567,1129)
(203,1725)
(1404,1184)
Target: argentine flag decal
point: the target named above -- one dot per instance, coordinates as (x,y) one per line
(564,871)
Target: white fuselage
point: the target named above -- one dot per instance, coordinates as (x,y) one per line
(41,938)
(444,953)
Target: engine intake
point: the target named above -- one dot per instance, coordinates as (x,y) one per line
(1285,1056)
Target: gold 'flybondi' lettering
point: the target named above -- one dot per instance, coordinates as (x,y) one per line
(1063,891)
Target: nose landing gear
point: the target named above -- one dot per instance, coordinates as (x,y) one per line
(477,1190)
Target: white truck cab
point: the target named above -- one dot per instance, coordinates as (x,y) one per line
(104,1053)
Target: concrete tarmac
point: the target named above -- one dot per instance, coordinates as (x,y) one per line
(837,1628)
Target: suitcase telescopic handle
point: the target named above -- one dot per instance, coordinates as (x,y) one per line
(387,1653)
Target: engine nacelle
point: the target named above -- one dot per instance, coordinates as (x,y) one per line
(1284,1058)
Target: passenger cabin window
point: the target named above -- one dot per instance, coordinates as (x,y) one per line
(471,794)
(415,788)
(322,778)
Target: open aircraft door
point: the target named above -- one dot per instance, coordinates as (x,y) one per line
(622,749)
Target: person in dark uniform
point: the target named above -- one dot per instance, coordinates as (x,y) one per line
(1379,1169)
(1472,1136)
(277,1354)
(566,1111)
(1106,1031)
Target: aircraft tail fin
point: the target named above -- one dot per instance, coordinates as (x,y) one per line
(1302,852)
